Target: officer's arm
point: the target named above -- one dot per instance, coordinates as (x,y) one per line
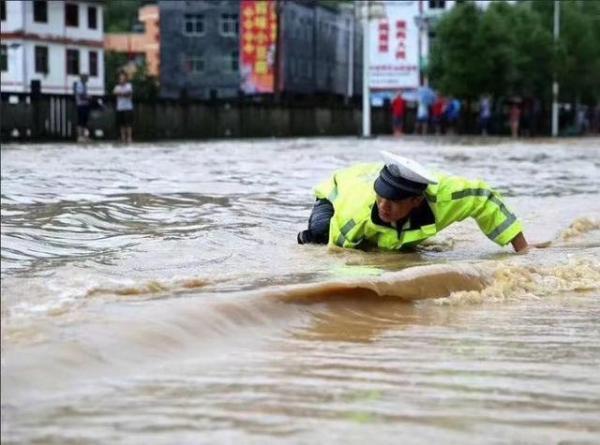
(496,220)
(474,198)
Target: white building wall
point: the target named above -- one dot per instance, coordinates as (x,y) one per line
(57,37)
(95,84)
(56,26)
(83,32)
(14,17)
(56,80)
(12,80)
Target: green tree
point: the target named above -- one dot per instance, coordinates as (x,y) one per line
(113,63)
(508,49)
(578,61)
(534,54)
(496,51)
(121,15)
(145,87)
(455,66)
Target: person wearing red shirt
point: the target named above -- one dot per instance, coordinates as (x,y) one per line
(437,112)
(398,111)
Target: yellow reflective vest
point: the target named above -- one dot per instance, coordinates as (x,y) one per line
(452,199)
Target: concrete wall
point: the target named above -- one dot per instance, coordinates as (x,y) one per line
(327,53)
(315,52)
(216,49)
(298,47)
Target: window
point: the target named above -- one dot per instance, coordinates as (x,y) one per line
(194,24)
(92,18)
(234,61)
(194,64)
(3,58)
(73,61)
(40,11)
(437,4)
(230,25)
(93,63)
(72,15)
(41,59)
(3,10)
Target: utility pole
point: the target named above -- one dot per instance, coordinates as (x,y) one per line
(366,78)
(277,74)
(350,85)
(555,82)
(420,43)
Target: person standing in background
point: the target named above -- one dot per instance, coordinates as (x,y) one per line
(485,114)
(514,119)
(452,115)
(124,93)
(82,101)
(422,116)
(398,111)
(437,114)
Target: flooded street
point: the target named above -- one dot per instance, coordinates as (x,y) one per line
(156,293)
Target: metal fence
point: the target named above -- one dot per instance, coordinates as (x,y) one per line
(54,118)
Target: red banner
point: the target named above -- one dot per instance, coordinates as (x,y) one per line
(258,45)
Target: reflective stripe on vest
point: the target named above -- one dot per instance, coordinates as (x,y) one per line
(346,228)
(510,217)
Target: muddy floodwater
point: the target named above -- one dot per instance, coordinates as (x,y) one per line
(156,294)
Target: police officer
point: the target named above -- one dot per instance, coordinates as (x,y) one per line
(400,204)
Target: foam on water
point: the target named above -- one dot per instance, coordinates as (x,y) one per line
(513,282)
(579,227)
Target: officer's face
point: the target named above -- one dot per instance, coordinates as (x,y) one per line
(393,211)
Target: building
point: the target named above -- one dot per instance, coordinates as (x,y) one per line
(145,45)
(51,42)
(320,49)
(199,43)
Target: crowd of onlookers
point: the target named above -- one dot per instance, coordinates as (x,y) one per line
(515,116)
(430,113)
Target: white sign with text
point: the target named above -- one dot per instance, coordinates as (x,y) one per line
(394,46)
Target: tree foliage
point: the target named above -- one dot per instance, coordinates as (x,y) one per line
(120,15)
(509,49)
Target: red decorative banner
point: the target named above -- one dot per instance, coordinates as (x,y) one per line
(258,45)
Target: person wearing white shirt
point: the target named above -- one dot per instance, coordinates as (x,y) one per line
(124,92)
(82,101)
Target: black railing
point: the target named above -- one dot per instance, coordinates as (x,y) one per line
(53,117)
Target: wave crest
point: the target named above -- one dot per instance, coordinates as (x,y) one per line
(512,282)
